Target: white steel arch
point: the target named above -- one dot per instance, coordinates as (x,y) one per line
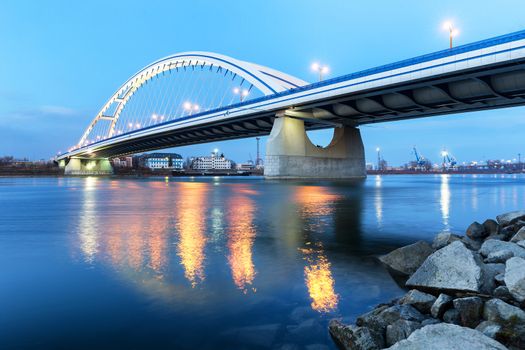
(268,81)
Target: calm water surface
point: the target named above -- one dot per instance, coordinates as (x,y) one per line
(214,263)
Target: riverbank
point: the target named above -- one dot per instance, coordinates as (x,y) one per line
(464,292)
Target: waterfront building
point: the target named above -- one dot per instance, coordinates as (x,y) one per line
(162,161)
(213,162)
(123,162)
(246,166)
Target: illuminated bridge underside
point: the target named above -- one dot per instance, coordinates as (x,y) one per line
(484,75)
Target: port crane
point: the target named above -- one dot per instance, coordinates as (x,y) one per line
(421,162)
(449,161)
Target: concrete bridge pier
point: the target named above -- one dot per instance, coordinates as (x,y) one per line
(290,153)
(88,166)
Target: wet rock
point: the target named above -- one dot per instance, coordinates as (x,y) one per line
(510,218)
(452,316)
(442,303)
(406,260)
(491,227)
(515,278)
(470,310)
(421,301)
(502,292)
(447,336)
(453,267)
(497,310)
(355,338)
(489,328)
(492,246)
(443,239)
(400,330)
(521,243)
(476,231)
(519,236)
(378,321)
(472,244)
(499,257)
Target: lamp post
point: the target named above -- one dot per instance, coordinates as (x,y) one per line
(378,150)
(452,31)
(191,108)
(241,92)
(320,69)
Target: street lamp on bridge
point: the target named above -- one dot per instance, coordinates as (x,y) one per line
(453,32)
(242,93)
(320,69)
(191,108)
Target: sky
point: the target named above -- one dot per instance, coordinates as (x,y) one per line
(61,60)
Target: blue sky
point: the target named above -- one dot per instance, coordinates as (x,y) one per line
(61,60)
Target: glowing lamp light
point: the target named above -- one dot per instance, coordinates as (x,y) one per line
(315,66)
(378,149)
(444,153)
(447,25)
(137,125)
(187,106)
(154,117)
(196,107)
(320,69)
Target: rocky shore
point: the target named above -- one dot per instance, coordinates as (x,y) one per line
(464,292)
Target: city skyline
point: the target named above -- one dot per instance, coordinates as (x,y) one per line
(46,103)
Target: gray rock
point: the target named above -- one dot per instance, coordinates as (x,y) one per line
(492,246)
(502,292)
(489,273)
(379,319)
(400,330)
(452,316)
(510,218)
(499,257)
(421,301)
(430,320)
(406,260)
(476,231)
(472,244)
(489,328)
(499,237)
(500,278)
(447,336)
(442,303)
(355,338)
(515,278)
(470,310)
(453,267)
(519,236)
(443,239)
(497,310)
(491,227)
(521,243)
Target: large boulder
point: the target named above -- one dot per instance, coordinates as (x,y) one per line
(497,310)
(443,239)
(452,316)
(511,217)
(379,319)
(406,260)
(469,309)
(493,245)
(476,231)
(515,278)
(447,336)
(400,330)
(489,273)
(452,268)
(489,328)
(355,338)
(519,236)
(421,301)
(491,227)
(442,303)
(499,257)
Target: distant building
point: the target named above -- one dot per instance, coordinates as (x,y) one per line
(123,162)
(246,166)
(213,162)
(161,161)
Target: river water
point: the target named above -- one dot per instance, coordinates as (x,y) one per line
(229,263)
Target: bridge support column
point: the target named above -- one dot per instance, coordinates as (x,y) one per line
(91,166)
(290,153)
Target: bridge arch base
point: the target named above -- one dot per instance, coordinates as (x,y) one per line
(88,166)
(291,155)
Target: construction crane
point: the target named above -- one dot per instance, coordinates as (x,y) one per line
(449,161)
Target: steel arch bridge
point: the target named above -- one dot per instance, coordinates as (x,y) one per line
(182,85)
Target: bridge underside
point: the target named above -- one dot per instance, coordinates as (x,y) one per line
(489,87)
